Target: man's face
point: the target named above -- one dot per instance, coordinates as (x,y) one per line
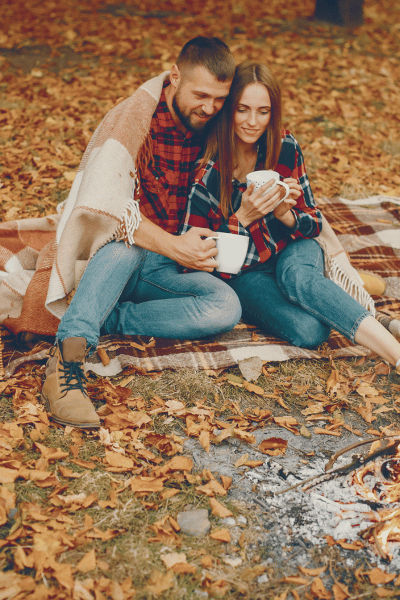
(198,96)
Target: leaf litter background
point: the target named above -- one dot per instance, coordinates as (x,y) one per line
(94,515)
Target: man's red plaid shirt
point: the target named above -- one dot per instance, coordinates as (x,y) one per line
(164,185)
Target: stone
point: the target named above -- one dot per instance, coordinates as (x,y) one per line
(194,522)
(232,561)
(229,521)
(251,368)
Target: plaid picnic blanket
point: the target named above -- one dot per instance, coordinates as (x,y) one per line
(369,230)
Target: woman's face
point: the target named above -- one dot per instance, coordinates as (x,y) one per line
(252,114)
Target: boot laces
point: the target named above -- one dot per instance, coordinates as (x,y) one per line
(74,377)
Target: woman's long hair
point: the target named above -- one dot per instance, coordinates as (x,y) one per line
(221,140)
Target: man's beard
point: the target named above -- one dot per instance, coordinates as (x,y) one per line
(185,119)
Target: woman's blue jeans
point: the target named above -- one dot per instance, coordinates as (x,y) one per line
(133,291)
(289,297)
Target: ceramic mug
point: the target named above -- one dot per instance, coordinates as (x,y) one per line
(259,178)
(232,250)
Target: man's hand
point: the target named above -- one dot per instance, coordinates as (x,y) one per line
(193,251)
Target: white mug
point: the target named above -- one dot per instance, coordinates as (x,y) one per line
(261,177)
(232,250)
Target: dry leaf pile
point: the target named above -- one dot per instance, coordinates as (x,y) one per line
(56,546)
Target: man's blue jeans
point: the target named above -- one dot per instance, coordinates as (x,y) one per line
(133,291)
(289,297)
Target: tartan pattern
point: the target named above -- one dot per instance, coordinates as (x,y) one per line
(165,183)
(367,252)
(268,236)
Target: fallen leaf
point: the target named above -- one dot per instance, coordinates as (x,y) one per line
(377,576)
(219,510)
(221,535)
(159,582)
(172,559)
(87,563)
(273,446)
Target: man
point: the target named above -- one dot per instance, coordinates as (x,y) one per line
(141,155)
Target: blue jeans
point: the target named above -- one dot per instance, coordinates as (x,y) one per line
(289,297)
(133,291)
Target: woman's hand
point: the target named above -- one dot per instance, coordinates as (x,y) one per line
(282,211)
(256,204)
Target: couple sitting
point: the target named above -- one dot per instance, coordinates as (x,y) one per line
(127,206)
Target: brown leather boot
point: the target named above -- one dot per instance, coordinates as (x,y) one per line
(64,389)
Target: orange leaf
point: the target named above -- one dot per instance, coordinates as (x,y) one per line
(219,509)
(295,579)
(87,563)
(118,460)
(340,591)
(226,481)
(251,387)
(211,488)
(377,576)
(319,590)
(173,559)
(221,535)
(312,572)
(159,582)
(146,484)
(204,439)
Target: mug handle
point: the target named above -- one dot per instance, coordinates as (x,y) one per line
(284,185)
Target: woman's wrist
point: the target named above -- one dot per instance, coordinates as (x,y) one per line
(241,217)
(288,219)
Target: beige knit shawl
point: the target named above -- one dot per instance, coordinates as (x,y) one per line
(101,205)
(339,269)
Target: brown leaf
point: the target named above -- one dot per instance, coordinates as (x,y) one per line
(273,446)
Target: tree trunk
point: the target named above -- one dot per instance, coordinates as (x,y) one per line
(348,13)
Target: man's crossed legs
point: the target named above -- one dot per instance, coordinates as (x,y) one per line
(129,291)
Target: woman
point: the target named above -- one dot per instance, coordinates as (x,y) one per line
(282,287)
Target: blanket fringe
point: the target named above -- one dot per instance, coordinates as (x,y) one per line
(350,285)
(131,219)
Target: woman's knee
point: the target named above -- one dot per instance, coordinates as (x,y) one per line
(298,266)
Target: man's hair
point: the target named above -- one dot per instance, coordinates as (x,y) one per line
(209,52)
